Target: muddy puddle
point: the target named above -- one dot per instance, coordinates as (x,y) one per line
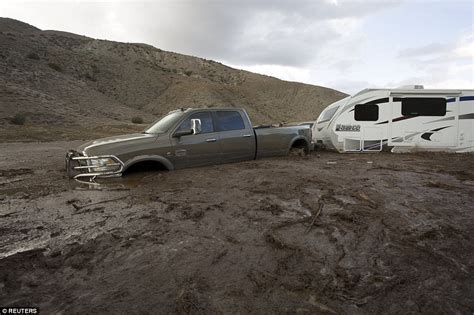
(326,233)
(128,182)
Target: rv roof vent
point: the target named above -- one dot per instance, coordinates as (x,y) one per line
(410,87)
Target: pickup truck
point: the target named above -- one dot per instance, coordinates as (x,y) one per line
(187,138)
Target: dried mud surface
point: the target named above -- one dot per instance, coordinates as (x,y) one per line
(325,233)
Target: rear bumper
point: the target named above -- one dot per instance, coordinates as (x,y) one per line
(79,165)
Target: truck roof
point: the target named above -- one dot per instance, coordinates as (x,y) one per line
(190,109)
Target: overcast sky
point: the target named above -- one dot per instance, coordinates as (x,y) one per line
(346,45)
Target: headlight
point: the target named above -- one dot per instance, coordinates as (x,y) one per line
(104,165)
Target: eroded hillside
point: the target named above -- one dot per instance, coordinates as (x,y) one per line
(72,87)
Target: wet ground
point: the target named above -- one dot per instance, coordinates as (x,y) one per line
(326,233)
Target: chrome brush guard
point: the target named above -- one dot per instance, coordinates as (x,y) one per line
(79,165)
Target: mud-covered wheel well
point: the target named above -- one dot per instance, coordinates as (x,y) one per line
(145,166)
(300,145)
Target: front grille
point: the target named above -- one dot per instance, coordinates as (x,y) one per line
(79,165)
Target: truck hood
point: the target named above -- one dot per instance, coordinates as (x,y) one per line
(114,145)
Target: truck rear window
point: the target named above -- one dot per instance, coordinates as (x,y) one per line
(230,120)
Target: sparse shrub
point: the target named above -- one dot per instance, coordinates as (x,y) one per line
(55,66)
(137,120)
(18,119)
(90,77)
(175,71)
(95,69)
(33,56)
(188,72)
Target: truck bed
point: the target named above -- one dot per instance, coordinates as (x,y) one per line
(274,141)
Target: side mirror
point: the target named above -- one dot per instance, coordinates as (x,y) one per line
(181,133)
(196,126)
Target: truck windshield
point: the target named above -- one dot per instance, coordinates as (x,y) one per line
(164,124)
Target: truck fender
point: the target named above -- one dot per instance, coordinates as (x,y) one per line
(296,139)
(142,158)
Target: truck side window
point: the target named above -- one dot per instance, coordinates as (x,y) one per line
(423,106)
(206,122)
(366,112)
(230,120)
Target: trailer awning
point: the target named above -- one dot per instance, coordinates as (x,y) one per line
(425,92)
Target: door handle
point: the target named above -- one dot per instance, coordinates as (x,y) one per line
(211,140)
(246,136)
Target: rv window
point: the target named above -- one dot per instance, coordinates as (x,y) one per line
(423,106)
(327,115)
(366,112)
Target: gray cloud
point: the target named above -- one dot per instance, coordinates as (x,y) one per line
(343,65)
(350,86)
(289,33)
(244,32)
(426,50)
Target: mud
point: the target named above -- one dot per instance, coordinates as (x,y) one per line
(325,233)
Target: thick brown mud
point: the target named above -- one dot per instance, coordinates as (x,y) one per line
(325,233)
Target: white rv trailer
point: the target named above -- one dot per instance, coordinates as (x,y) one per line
(405,119)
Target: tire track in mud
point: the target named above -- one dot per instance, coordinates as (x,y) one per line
(340,280)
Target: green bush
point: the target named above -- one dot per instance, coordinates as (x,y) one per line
(55,66)
(188,72)
(18,119)
(137,120)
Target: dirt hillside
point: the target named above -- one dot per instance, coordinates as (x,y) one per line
(58,80)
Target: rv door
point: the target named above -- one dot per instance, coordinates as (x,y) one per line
(423,121)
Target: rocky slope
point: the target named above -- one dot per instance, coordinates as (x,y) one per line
(69,85)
